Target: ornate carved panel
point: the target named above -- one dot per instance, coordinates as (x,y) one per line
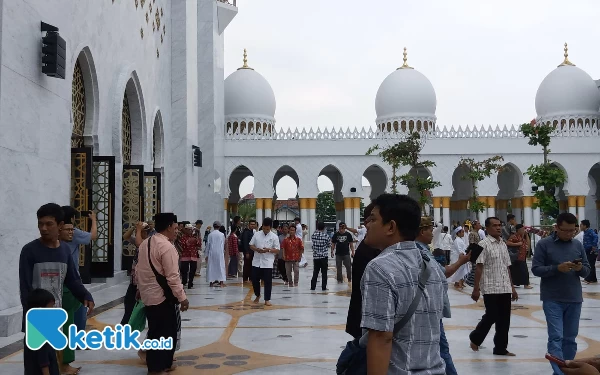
(133,207)
(81,200)
(152,195)
(126,132)
(78,107)
(103,191)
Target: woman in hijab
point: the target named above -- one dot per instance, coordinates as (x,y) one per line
(460,247)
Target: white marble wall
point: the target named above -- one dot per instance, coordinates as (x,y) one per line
(35,110)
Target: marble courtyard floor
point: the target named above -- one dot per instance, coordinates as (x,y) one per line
(224,332)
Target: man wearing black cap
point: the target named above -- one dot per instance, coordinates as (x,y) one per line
(161,290)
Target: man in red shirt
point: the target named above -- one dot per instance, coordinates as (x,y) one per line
(188,243)
(293,248)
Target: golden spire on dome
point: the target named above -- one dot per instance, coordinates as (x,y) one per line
(566,62)
(245,66)
(405,65)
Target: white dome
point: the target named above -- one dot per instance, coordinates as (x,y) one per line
(406,94)
(567,91)
(249,97)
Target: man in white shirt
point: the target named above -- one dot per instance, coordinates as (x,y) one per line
(298,228)
(443,240)
(265,245)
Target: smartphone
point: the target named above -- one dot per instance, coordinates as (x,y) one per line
(558,361)
(85,213)
(577,261)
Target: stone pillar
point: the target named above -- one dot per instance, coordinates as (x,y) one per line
(527,211)
(339,211)
(348,203)
(537,216)
(437,209)
(226,212)
(482,215)
(581,207)
(259,211)
(501,206)
(563,206)
(234,209)
(312,216)
(268,206)
(446,212)
(572,202)
(356,213)
(491,209)
(303,203)
(516,205)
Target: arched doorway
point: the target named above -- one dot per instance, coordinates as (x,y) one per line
(463,191)
(285,201)
(241,198)
(510,185)
(330,199)
(131,157)
(377,181)
(592,202)
(153,179)
(413,192)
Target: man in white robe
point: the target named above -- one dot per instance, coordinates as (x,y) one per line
(215,256)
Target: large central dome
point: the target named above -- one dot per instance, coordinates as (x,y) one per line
(406,101)
(249,101)
(568,96)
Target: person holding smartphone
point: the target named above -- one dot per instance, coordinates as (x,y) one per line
(560,260)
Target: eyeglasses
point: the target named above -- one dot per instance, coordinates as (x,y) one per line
(572,230)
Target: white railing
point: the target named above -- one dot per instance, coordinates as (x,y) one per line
(453,132)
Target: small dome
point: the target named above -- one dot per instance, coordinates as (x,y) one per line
(405,95)
(249,97)
(567,93)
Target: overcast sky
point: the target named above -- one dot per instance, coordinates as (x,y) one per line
(326,59)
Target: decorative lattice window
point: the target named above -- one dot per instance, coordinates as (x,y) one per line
(78,103)
(126,132)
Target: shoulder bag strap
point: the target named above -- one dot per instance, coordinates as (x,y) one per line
(423,277)
(156,274)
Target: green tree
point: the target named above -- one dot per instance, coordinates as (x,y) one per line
(247,211)
(545,176)
(479,171)
(325,210)
(407,153)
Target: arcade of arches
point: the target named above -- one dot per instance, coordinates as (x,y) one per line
(510,196)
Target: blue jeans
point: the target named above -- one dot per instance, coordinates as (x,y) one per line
(563,327)
(445,352)
(81,318)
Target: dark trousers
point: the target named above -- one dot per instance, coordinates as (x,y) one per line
(162,322)
(319,265)
(497,311)
(282,270)
(591,278)
(129,303)
(266,275)
(247,271)
(188,271)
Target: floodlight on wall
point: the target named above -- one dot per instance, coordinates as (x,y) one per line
(197,157)
(54,52)
(353,190)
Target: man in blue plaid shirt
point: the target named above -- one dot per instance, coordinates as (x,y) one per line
(321,244)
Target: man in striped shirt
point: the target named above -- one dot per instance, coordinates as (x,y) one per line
(493,280)
(320,245)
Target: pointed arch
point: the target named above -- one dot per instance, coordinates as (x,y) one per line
(378,180)
(285,171)
(84,101)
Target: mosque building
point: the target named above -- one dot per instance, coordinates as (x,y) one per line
(144,122)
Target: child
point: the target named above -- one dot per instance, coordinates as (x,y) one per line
(42,361)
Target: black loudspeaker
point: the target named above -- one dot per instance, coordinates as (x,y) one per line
(353,190)
(54,52)
(197,157)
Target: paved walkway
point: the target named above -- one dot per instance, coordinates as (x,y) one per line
(303,332)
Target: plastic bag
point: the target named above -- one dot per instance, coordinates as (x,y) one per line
(137,322)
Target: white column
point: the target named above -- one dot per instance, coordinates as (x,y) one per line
(437,214)
(527,216)
(581,207)
(312,217)
(491,211)
(348,212)
(446,212)
(537,217)
(226,213)
(259,212)
(356,215)
(518,212)
(482,216)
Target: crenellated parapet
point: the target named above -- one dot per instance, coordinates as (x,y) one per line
(458,132)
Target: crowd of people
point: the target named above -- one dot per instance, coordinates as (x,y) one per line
(400,257)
